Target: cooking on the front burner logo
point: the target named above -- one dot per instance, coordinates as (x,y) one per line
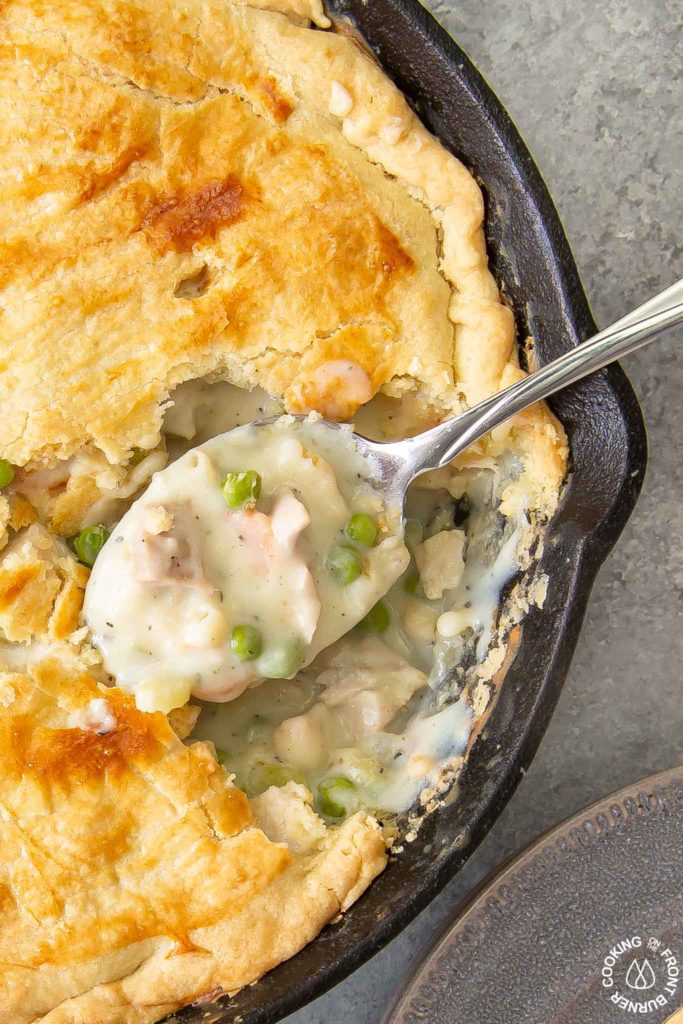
(640,975)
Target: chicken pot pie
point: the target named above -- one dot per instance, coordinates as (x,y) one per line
(211,213)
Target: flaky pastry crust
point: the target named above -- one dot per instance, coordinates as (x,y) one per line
(150,145)
(41,587)
(134,879)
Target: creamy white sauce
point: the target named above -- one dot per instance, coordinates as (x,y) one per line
(384,713)
(182,569)
(342,722)
(97,717)
(390,767)
(199,411)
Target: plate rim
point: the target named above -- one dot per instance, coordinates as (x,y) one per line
(471,903)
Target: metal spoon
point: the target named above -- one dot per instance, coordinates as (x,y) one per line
(395,464)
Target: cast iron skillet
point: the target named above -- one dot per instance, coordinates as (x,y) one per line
(532,260)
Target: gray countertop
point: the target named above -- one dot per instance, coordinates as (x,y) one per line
(597,92)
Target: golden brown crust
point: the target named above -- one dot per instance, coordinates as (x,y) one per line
(174,172)
(133,878)
(275,926)
(41,586)
(159,143)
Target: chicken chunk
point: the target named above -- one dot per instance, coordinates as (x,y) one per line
(364,687)
(272,540)
(171,556)
(286,816)
(440,562)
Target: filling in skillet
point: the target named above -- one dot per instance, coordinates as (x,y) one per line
(250,555)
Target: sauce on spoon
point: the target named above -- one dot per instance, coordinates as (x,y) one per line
(241,562)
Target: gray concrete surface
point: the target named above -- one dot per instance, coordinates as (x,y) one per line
(597,91)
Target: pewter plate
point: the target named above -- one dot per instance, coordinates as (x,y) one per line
(583,927)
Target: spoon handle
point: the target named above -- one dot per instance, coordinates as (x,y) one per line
(655,318)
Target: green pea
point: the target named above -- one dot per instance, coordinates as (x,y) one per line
(6,472)
(345,563)
(263,776)
(240,489)
(335,794)
(281,662)
(411,581)
(222,755)
(90,542)
(413,532)
(377,620)
(246,643)
(362,528)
